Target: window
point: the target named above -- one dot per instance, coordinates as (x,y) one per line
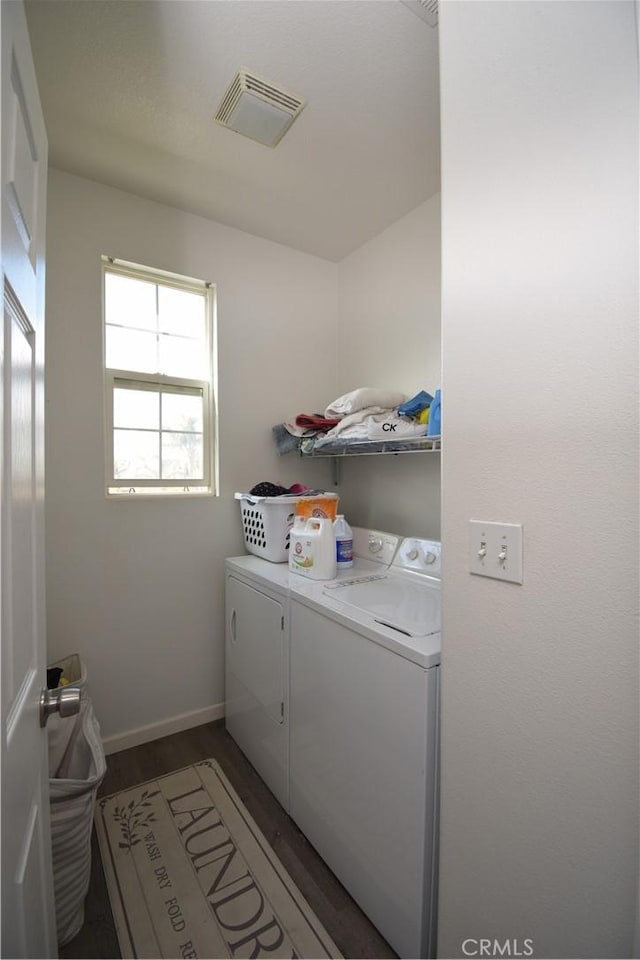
(159,352)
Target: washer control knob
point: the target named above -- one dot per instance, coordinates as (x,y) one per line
(375,544)
(412,554)
(430,557)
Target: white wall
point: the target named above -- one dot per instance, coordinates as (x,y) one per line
(136,587)
(389,336)
(636,932)
(540,359)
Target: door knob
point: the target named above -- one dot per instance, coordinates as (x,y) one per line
(64,700)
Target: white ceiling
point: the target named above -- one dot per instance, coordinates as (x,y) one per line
(129,89)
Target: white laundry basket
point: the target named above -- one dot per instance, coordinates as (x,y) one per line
(77,766)
(74,671)
(61,729)
(266,524)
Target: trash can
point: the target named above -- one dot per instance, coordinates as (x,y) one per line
(77,766)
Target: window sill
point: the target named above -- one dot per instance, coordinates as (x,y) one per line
(114,497)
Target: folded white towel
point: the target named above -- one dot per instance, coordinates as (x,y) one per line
(355,425)
(394,428)
(364,397)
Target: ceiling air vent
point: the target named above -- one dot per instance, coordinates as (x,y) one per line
(427,10)
(258,109)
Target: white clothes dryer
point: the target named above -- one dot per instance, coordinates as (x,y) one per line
(364,691)
(257,666)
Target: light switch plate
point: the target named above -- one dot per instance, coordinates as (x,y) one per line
(496,550)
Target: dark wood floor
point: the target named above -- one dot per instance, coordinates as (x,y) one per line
(354,935)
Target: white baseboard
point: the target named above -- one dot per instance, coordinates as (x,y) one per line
(164,728)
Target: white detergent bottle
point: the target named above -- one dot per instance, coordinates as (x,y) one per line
(312,551)
(344,543)
(296,543)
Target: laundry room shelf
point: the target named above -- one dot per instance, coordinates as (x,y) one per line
(369,448)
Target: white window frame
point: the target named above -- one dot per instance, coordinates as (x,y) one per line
(128,488)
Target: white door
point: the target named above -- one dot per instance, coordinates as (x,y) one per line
(28,922)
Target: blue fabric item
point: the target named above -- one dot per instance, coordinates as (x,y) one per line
(413,407)
(434,427)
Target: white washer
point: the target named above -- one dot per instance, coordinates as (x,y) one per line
(257,652)
(364,689)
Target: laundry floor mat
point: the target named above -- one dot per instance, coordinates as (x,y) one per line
(190,874)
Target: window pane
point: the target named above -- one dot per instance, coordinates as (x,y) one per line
(181,312)
(182,456)
(131,350)
(182,412)
(135,455)
(183,358)
(159,352)
(136,408)
(130,302)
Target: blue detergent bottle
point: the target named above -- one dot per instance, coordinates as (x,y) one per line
(435,425)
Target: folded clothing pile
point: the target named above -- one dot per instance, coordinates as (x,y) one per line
(410,419)
(362,399)
(366,413)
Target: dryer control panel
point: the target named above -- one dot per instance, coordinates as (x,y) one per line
(374,545)
(420,556)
